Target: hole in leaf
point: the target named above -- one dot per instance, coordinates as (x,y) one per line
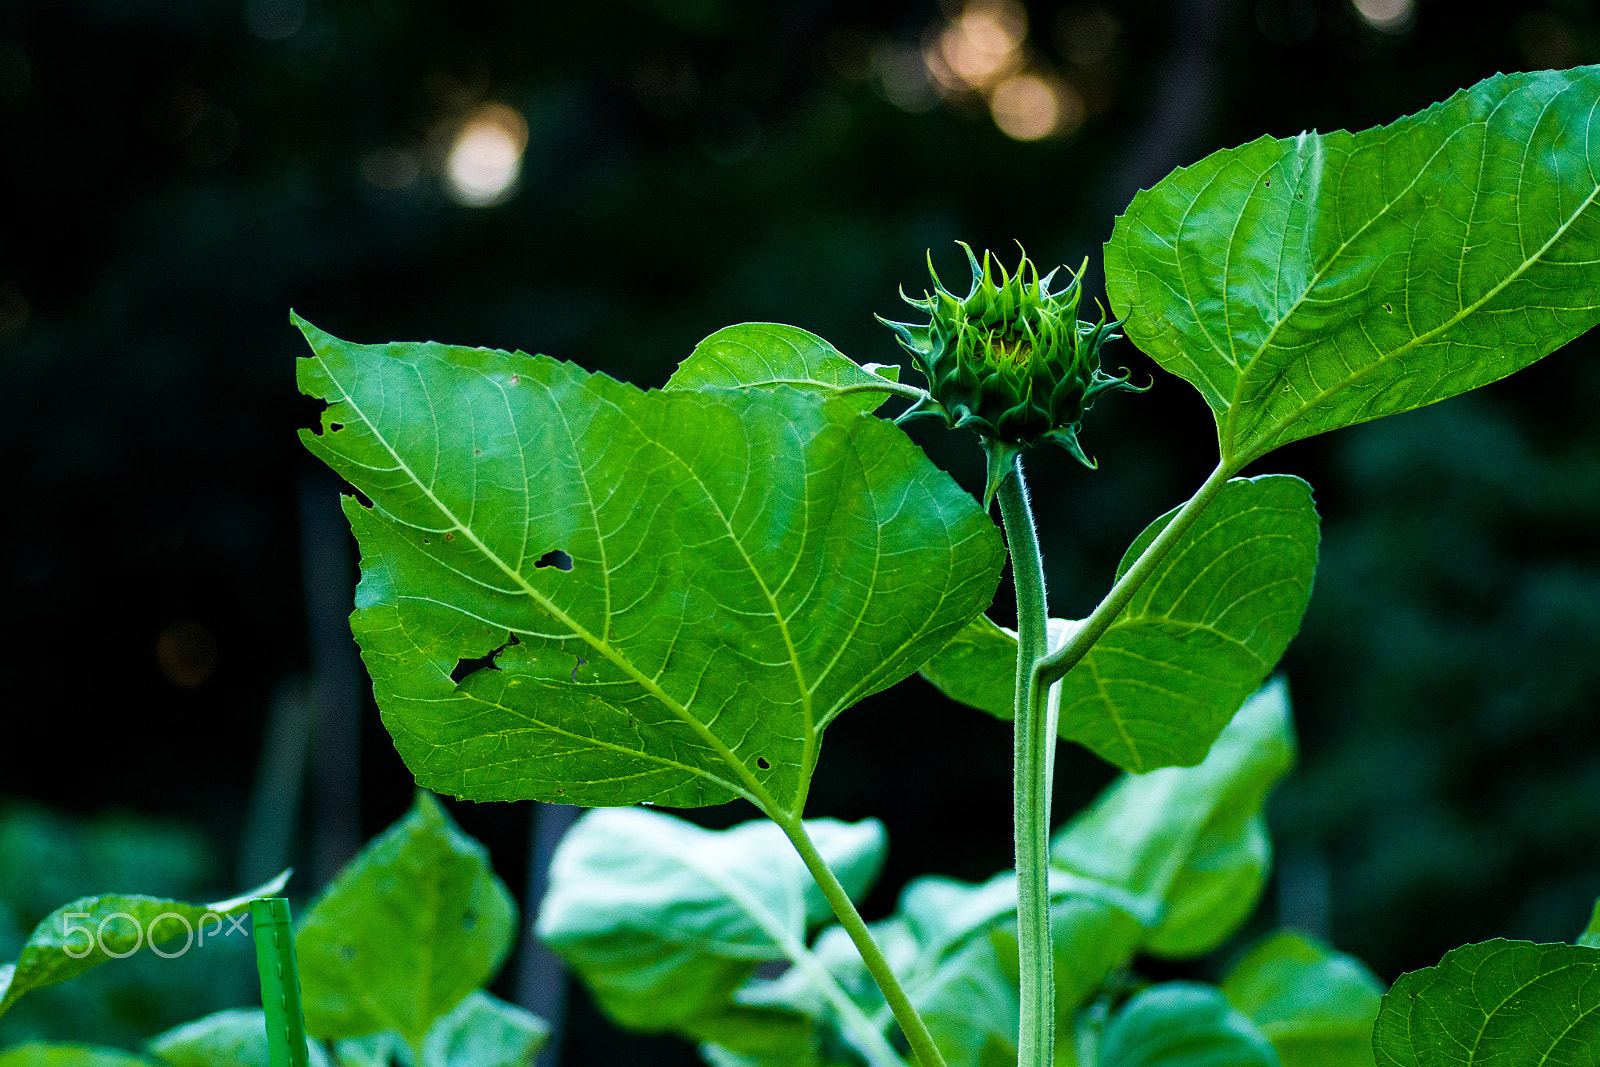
(761,761)
(335,427)
(554,558)
(581,662)
(449,537)
(465,667)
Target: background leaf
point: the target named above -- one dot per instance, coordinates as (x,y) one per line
(1506,1003)
(235,1038)
(50,1054)
(743,566)
(1312,282)
(1590,938)
(769,354)
(1188,843)
(665,921)
(484,1031)
(1183,1024)
(416,922)
(1317,1005)
(1202,633)
(54,952)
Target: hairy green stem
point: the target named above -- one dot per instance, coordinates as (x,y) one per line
(911,1024)
(1032,765)
(1055,666)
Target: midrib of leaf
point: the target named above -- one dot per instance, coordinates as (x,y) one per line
(754,791)
(809,744)
(1383,360)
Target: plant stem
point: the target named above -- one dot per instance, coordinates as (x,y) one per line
(1032,748)
(911,1024)
(1055,666)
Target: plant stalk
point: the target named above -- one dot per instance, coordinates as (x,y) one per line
(1054,667)
(1032,765)
(844,909)
(280,982)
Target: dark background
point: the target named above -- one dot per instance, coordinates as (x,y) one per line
(176,174)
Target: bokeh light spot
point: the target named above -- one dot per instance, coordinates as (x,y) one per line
(486,156)
(1390,16)
(186,652)
(1026,107)
(984,43)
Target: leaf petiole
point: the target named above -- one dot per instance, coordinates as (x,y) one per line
(1053,667)
(844,909)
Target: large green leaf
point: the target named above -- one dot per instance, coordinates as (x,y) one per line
(1312,282)
(1183,1024)
(769,354)
(80,936)
(234,1038)
(1317,1005)
(1202,633)
(665,921)
(1192,644)
(1187,843)
(415,922)
(744,564)
(1495,1004)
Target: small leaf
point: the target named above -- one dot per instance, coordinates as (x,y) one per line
(769,354)
(235,1038)
(1499,1003)
(1202,633)
(665,921)
(51,1054)
(1590,938)
(645,596)
(1186,842)
(484,1031)
(1317,1005)
(80,936)
(1183,1024)
(416,922)
(1312,282)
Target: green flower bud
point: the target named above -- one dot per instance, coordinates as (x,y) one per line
(1010,360)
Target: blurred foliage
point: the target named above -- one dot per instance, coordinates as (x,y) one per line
(175,174)
(47,860)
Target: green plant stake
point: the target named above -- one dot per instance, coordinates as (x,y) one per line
(280,981)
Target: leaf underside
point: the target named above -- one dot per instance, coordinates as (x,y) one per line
(1505,1003)
(1195,641)
(656,596)
(1202,633)
(1303,284)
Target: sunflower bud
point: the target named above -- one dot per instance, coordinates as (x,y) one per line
(1010,359)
